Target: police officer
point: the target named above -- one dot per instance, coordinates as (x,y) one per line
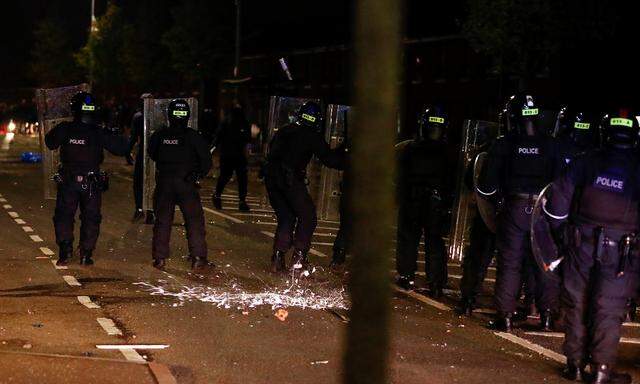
(289,154)
(182,158)
(80,181)
(234,133)
(593,209)
(519,165)
(422,186)
(575,132)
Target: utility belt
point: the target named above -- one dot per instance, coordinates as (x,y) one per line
(603,239)
(423,192)
(90,181)
(286,174)
(530,198)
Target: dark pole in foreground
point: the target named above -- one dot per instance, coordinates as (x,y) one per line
(371,202)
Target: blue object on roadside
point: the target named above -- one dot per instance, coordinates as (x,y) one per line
(31,157)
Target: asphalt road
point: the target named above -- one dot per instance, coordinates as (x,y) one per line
(220,327)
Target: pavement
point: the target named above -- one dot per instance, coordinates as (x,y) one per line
(123,321)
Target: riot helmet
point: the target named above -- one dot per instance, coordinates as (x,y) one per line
(310,115)
(178,113)
(577,125)
(522,115)
(84,107)
(620,129)
(432,124)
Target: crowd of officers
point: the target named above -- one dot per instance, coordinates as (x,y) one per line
(591,209)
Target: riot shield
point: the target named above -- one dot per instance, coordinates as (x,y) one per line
(330,191)
(155,117)
(486,208)
(543,247)
(53,108)
(476,137)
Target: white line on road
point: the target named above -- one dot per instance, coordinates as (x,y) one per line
(132,355)
(254,214)
(86,301)
(325,234)
(43,257)
(56,266)
(7,206)
(559,335)
(322,244)
(632,325)
(109,326)
(533,347)
(20,221)
(424,299)
(46,251)
(458,277)
(230,218)
(14,214)
(36,238)
(234,209)
(132,346)
(71,281)
(3,200)
(27,229)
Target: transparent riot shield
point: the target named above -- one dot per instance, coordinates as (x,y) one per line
(53,108)
(155,118)
(476,137)
(329,191)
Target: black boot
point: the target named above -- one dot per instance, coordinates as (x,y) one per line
(151,218)
(85,256)
(66,249)
(574,370)
(503,322)
(200,264)
(217,202)
(604,374)
(159,264)
(466,306)
(243,206)
(436,291)
(138,216)
(406,282)
(546,321)
(339,257)
(300,261)
(278,262)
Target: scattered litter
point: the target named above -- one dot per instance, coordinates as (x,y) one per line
(320,362)
(281,314)
(27,346)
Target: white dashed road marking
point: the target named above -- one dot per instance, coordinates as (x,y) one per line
(86,301)
(132,346)
(14,214)
(559,335)
(322,244)
(3,200)
(225,216)
(58,266)
(46,251)
(20,221)
(36,238)
(27,229)
(424,299)
(533,347)
(132,355)
(7,206)
(109,326)
(71,281)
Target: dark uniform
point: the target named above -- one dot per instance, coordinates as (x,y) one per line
(519,166)
(182,157)
(575,132)
(422,187)
(80,182)
(290,151)
(232,138)
(137,138)
(594,210)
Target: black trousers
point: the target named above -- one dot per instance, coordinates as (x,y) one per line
(415,220)
(295,212)
(138,176)
(514,255)
(340,242)
(478,258)
(172,191)
(229,165)
(70,196)
(594,299)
